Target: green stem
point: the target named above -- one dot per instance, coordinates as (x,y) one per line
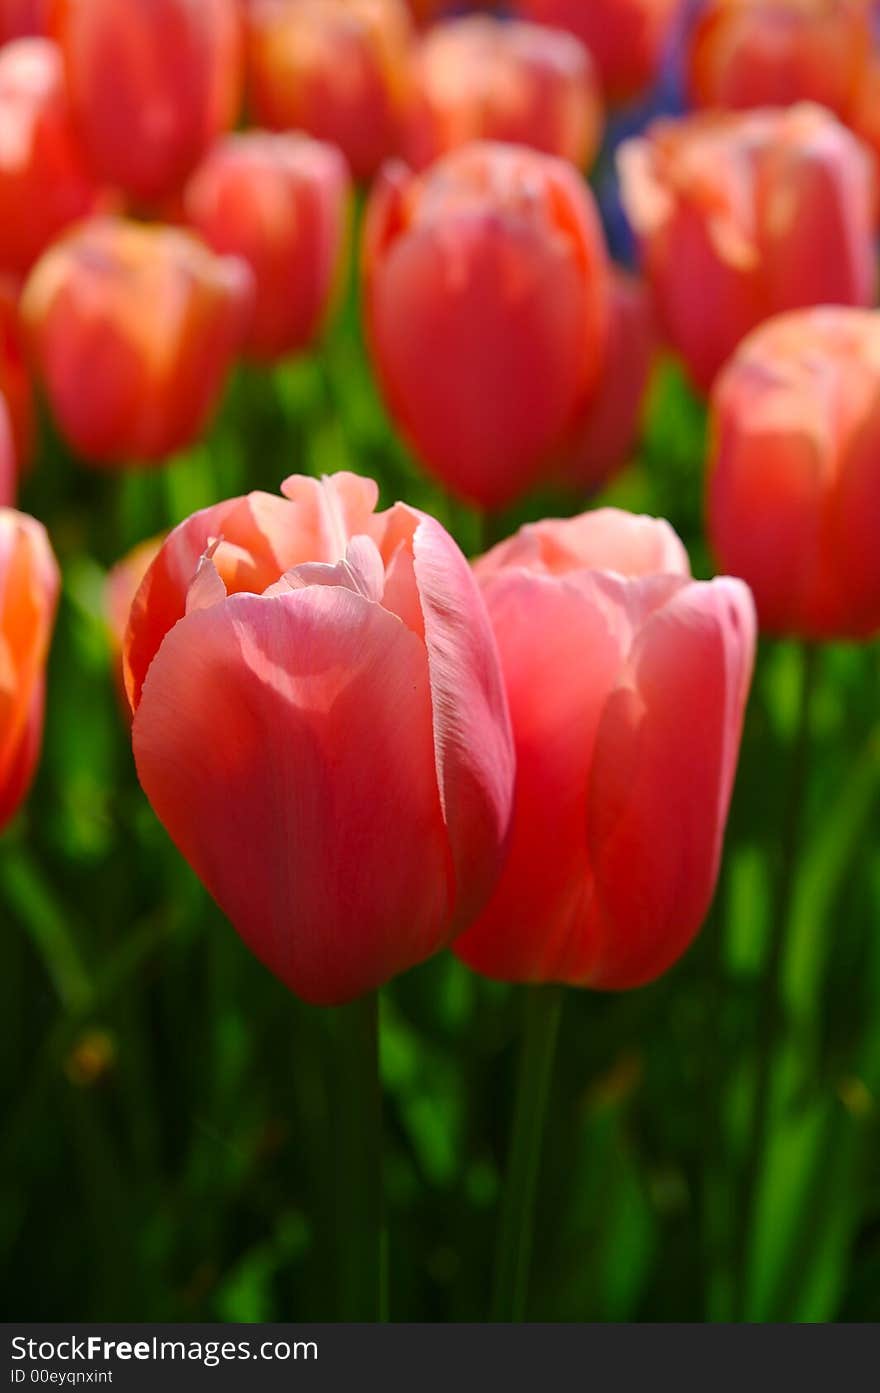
(771,1010)
(517,1218)
(360,1252)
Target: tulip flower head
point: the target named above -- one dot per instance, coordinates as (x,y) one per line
(336,69)
(320,724)
(627,683)
(8,462)
(749,53)
(21,19)
(281,203)
(15,382)
(604,436)
(741,216)
(152,84)
(28,596)
(627,38)
(794,490)
(478,78)
(44,181)
(133,329)
(487,301)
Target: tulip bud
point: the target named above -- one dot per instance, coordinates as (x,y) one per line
(44,183)
(777,52)
(486,294)
(480,79)
(346,802)
(152,84)
(627,683)
(280,202)
(604,437)
(15,382)
(334,68)
(627,38)
(794,490)
(742,216)
(21,19)
(28,595)
(133,329)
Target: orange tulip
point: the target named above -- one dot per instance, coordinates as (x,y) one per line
(152,84)
(334,68)
(44,182)
(28,595)
(747,53)
(486,290)
(21,19)
(627,38)
(15,382)
(794,491)
(604,437)
(478,78)
(281,202)
(741,216)
(133,329)
(346,799)
(627,683)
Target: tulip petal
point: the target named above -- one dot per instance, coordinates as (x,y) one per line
(286,745)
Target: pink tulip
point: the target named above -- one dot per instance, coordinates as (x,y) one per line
(604,437)
(742,216)
(627,683)
(152,84)
(320,724)
(281,203)
(133,329)
(28,595)
(794,492)
(486,292)
(479,78)
(45,183)
(627,38)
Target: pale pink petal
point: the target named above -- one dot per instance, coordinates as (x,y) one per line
(607,539)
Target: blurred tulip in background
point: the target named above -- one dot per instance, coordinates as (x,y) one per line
(45,183)
(20,19)
(281,202)
(606,435)
(347,802)
(15,381)
(8,462)
(487,304)
(152,84)
(748,53)
(480,78)
(28,596)
(336,69)
(627,38)
(627,684)
(743,215)
(132,330)
(794,490)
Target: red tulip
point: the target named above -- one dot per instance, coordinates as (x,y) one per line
(280,202)
(44,183)
(627,683)
(604,437)
(627,38)
(333,68)
(864,113)
(486,291)
(28,596)
(478,78)
(152,83)
(8,461)
(794,493)
(15,382)
(742,216)
(21,19)
(346,798)
(747,53)
(133,329)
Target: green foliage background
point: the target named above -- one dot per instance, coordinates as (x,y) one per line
(169,1105)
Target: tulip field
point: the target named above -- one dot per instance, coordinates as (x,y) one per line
(440,660)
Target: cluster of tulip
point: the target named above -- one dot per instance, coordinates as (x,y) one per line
(530,759)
